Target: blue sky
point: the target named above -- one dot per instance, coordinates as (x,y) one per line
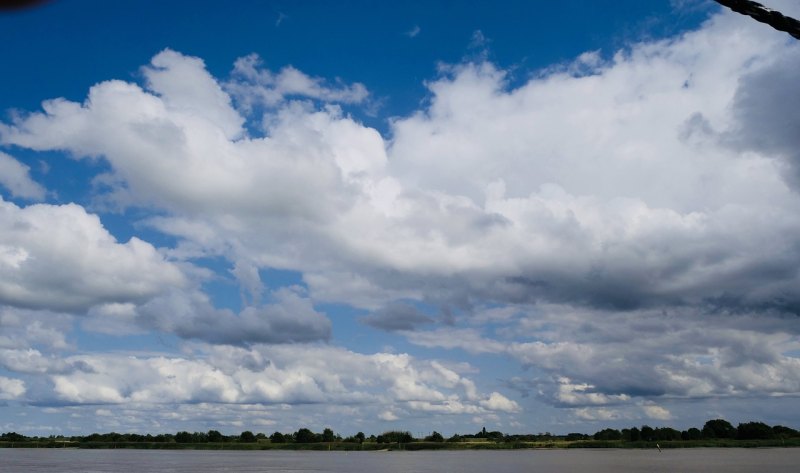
(432,216)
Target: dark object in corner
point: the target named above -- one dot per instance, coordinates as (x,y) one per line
(759,12)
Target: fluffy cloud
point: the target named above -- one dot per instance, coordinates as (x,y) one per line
(616,358)
(397,316)
(277,375)
(188,90)
(61,258)
(22,328)
(561,189)
(14,177)
(191,315)
(604,199)
(11,388)
(630,220)
(246,199)
(498,402)
(656,412)
(253,86)
(33,361)
(766,113)
(602,414)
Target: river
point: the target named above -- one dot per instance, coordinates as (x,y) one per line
(705,460)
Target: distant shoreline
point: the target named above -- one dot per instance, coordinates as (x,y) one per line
(411,446)
(716,433)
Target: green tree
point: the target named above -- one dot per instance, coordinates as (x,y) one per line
(608,434)
(305,436)
(247,437)
(719,429)
(395,437)
(667,433)
(183,437)
(13,437)
(785,432)
(498,436)
(214,436)
(434,437)
(648,434)
(754,430)
(692,434)
(277,437)
(328,436)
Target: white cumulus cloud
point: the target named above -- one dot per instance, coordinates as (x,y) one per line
(15,177)
(61,258)
(632,219)
(11,388)
(274,375)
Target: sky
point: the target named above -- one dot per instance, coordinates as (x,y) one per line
(370,216)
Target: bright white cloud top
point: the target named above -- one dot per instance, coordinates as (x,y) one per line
(619,233)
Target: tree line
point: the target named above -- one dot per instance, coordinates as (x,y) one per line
(713,429)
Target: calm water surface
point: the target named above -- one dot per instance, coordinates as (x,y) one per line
(706,460)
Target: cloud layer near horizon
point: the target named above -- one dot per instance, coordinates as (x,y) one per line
(640,209)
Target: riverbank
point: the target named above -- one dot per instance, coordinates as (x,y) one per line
(411,446)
